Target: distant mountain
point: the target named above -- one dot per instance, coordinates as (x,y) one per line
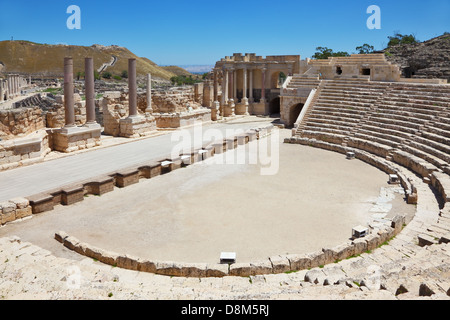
(27,57)
(177,70)
(197,68)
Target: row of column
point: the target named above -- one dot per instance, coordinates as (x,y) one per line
(90,91)
(229,85)
(11,87)
(69,106)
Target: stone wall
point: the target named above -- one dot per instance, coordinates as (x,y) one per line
(170,101)
(20,122)
(179,120)
(55,116)
(23,151)
(14,209)
(115,107)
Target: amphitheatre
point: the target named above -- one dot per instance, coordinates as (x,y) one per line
(319,179)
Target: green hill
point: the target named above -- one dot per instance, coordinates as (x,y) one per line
(46,60)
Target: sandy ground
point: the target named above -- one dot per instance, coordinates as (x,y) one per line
(193,214)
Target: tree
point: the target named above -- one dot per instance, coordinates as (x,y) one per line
(365,49)
(325,53)
(124,74)
(401,39)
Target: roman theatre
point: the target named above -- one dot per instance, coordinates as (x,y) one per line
(292,166)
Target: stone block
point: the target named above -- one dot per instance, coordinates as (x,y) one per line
(100,185)
(373,241)
(23,213)
(7,212)
(146,266)
(70,243)
(397,223)
(168,268)
(41,203)
(343,251)
(216,270)
(151,170)
(219,147)
(21,203)
(317,259)
(193,270)
(60,236)
(359,246)
(128,177)
(280,264)
(107,257)
(250,269)
(127,262)
(299,262)
(231,143)
(72,194)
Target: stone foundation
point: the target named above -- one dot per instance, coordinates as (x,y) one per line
(76,138)
(23,151)
(184,119)
(135,127)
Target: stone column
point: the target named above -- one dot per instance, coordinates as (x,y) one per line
(8,86)
(216,85)
(17,85)
(68,93)
(235,85)
(263,85)
(132,88)
(251,87)
(89,84)
(231,86)
(244,97)
(225,87)
(1,90)
(149,108)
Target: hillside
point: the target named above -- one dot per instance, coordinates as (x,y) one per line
(47,60)
(428,59)
(177,70)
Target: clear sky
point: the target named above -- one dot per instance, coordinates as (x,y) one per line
(200,32)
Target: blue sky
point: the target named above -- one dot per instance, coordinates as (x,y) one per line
(199,32)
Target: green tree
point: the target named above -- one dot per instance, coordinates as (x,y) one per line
(365,49)
(325,53)
(124,74)
(401,39)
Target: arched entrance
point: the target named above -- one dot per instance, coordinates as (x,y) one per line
(294,112)
(274,106)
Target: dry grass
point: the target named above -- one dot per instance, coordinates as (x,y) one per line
(47,60)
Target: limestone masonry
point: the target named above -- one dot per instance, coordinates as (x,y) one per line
(359,106)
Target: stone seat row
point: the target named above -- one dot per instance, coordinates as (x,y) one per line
(396,120)
(407,112)
(439,104)
(348,112)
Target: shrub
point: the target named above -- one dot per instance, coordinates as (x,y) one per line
(107,75)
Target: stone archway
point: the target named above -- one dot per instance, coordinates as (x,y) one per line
(294,112)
